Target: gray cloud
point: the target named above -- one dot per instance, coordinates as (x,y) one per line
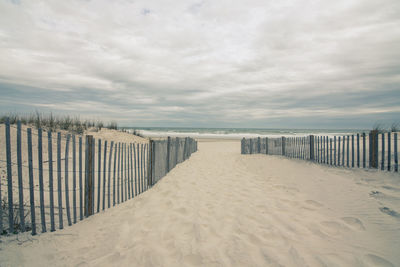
(204,63)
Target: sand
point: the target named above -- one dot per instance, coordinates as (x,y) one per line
(221,208)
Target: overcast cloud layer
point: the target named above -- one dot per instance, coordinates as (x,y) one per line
(204,63)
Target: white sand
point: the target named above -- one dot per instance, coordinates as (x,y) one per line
(221,208)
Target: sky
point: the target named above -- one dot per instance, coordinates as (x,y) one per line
(262,64)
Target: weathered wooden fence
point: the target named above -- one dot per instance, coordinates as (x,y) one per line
(168,153)
(373,150)
(103,174)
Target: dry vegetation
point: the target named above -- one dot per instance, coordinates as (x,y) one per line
(56,122)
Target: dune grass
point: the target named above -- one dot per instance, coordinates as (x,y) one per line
(57,122)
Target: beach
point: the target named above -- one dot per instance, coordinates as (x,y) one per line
(221,208)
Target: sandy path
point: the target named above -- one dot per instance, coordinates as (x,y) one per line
(221,208)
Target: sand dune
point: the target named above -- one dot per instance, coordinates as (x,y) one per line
(221,208)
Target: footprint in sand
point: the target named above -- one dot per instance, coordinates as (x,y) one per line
(390,212)
(354,223)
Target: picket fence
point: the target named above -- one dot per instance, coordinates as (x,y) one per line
(103,175)
(373,150)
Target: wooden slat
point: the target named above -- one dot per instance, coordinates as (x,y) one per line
(89,180)
(145,166)
(343,150)
(20,181)
(41,186)
(324,150)
(86,194)
(358,150)
(352,150)
(124,169)
(104,174)
(138,168)
(122,172)
(109,175)
(74,178)
(93,175)
(334,151)
(80,180)
(327,150)
(383,152)
(31,184)
(167,165)
(98,174)
(9,178)
(128,169)
(396,159)
(59,188)
(66,180)
(389,152)
(141,168)
(115,167)
(51,188)
(330,151)
(134,168)
(364,157)
(118,172)
(348,151)
(338,154)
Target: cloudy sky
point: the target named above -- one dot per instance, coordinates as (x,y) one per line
(286,63)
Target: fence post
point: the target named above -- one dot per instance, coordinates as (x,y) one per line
(311,147)
(266,145)
(283,146)
(374,149)
(90,178)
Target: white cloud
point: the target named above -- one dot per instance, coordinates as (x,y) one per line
(203,60)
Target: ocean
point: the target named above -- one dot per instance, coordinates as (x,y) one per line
(236,133)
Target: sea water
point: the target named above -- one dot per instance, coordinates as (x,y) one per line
(237,133)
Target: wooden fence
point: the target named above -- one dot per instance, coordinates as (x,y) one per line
(103,174)
(373,150)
